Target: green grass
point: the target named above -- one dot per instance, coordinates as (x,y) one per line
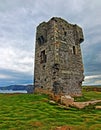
(34,112)
(90,95)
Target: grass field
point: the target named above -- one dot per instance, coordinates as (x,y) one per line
(34,112)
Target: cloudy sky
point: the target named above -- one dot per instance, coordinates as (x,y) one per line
(18,21)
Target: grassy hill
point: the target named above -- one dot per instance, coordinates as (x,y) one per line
(34,112)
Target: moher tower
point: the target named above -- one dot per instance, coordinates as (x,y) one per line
(58,59)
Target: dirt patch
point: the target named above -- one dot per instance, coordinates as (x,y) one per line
(36,124)
(64,128)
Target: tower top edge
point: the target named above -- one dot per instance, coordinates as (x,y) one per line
(57,20)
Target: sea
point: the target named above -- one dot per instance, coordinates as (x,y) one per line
(11,91)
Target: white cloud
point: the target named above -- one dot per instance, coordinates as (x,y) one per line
(92,77)
(16,59)
(92,80)
(2,76)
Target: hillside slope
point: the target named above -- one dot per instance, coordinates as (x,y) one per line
(34,112)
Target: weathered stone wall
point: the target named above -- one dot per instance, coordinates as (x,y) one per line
(58,59)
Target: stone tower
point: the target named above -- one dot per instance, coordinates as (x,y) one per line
(58,59)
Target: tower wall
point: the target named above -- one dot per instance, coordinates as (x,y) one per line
(58,59)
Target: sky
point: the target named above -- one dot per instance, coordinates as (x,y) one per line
(18,22)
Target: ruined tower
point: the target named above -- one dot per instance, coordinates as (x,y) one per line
(58,59)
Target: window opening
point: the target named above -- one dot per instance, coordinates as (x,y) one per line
(43,56)
(65,33)
(41,40)
(74,50)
